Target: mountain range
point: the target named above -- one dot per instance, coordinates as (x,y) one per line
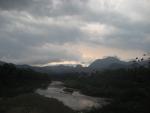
(108,63)
(99,64)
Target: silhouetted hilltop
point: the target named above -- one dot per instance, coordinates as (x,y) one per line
(14,81)
(108,63)
(59,69)
(1,62)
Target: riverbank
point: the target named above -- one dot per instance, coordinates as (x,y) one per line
(75,100)
(129,89)
(32,103)
(17,87)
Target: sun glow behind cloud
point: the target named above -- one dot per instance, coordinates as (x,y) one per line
(67,63)
(73,31)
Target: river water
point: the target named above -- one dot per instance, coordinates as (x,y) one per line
(75,100)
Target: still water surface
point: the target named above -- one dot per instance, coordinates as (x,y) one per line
(75,100)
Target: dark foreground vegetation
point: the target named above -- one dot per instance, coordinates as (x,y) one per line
(14,81)
(17,87)
(129,89)
(32,103)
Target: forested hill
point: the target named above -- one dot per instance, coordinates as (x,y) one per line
(128,88)
(14,81)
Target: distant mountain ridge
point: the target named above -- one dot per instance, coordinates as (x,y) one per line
(108,63)
(99,65)
(1,62)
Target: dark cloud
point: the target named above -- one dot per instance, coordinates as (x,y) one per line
(41,31)
(130,36)
(52,8)
(131,33)
(14,4)
(23,40)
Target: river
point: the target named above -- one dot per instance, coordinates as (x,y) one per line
(74,100)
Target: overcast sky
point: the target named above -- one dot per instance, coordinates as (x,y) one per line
(39,32)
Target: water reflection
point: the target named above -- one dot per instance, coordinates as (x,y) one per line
(75,100)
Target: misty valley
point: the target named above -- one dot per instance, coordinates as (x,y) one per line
(106,85)
(74,56)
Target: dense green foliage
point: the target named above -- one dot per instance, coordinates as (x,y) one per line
(14,81)
(129,89)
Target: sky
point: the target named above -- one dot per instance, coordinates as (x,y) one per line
(41,32)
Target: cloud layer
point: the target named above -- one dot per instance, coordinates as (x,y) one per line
(43,31)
